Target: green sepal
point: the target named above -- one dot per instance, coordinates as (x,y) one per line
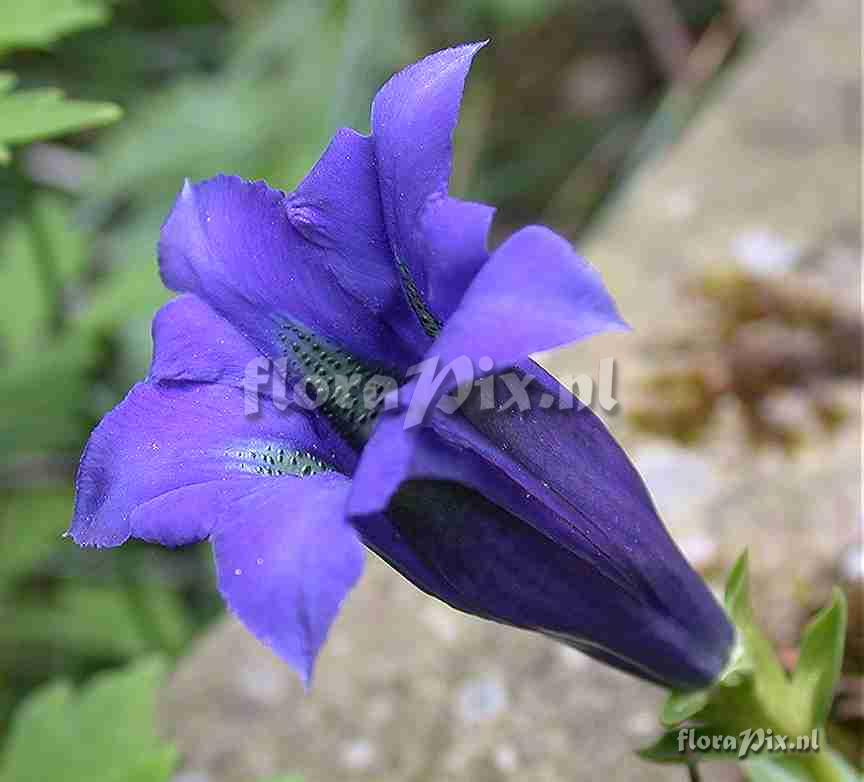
(736,596)
(769,680)
(667,748)
(682,706)
(768,768)
(820,660)
(798,768)
(755,692)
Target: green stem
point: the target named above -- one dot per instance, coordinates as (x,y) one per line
(141,612)
(46,265)
(822,767)
(693,771)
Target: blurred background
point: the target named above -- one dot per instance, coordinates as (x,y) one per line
(573,103)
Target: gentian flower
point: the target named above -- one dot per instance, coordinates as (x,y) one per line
(531,517)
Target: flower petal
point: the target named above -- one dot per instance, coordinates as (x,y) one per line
(387,467)
(440,240)
(158,465)
(537,518)
(192,342)
(451,246)
(317,258)
(535,293)
(286,559)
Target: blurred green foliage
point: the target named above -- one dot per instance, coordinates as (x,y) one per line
(104,732)
(555,107)
(28,115)
(38,24)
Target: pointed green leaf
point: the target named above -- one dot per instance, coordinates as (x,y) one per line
(740,665)
(769,678)
(737,596)
(103,733)
(671,747)
(38,23)
(800,768)
(768,768)
(29,115)
(820,660)
(682,706)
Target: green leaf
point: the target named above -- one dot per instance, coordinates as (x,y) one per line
(829,765)
(768,676)
(30,115)
(668,748)
(31,522)
(7,81)
(682,706)
(47,395)
(737,595)
(41,250)
(24,308)
(103,733)
(768,768)
(820,660)
(101,622)
(514,12)
(65,240)
(38,23)
(134,287)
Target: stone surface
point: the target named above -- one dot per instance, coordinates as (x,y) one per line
(409,690)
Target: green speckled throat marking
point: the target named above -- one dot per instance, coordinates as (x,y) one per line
(312,357)
(264,458)
(431,324)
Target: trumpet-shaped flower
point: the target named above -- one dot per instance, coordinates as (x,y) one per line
(531,517)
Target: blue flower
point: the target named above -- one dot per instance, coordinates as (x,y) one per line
(532,517)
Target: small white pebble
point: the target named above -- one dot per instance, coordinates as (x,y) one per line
(482,699)
(259,561)
(263,685)
(680,205)
(358,755)
(238,572)
(192,776)
(441,621)
(643,724)
(852,565)
(506,759)
(764,252)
